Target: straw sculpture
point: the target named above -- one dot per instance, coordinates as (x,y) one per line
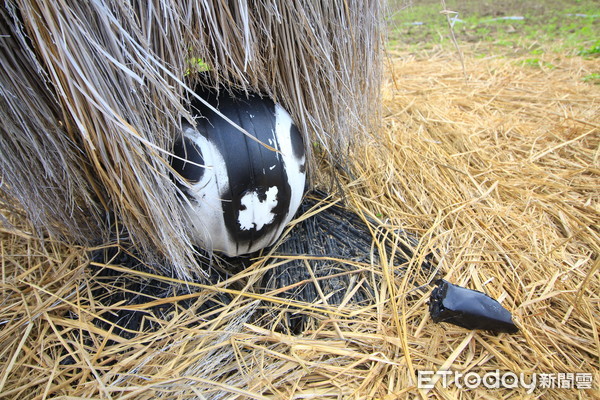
(94,93)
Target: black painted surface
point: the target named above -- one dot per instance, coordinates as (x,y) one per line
(297,143)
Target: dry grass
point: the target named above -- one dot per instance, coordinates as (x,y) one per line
(498,175)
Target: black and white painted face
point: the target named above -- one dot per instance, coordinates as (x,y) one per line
(242,193)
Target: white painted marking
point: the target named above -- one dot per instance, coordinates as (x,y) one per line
(292,165)
(207,225)
(258,213)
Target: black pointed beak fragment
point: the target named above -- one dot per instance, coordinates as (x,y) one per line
(470,309)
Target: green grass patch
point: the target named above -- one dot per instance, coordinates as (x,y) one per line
(508,26)
(592,78)
(592,51)
(537,63)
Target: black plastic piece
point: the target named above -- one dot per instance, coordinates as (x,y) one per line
(470,309)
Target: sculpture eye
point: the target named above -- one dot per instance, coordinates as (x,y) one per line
(192,168)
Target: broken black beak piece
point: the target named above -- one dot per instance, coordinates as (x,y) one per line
(469,309)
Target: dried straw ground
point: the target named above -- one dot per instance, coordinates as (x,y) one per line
(499,176)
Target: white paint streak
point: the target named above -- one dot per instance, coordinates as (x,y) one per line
(258,213)
(292,165)
(206,213)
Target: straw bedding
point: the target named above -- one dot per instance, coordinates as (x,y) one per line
(497,176)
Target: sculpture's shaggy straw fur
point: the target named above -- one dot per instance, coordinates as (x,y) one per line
(92,95)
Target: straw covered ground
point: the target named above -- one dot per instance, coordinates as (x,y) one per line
(496,168)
